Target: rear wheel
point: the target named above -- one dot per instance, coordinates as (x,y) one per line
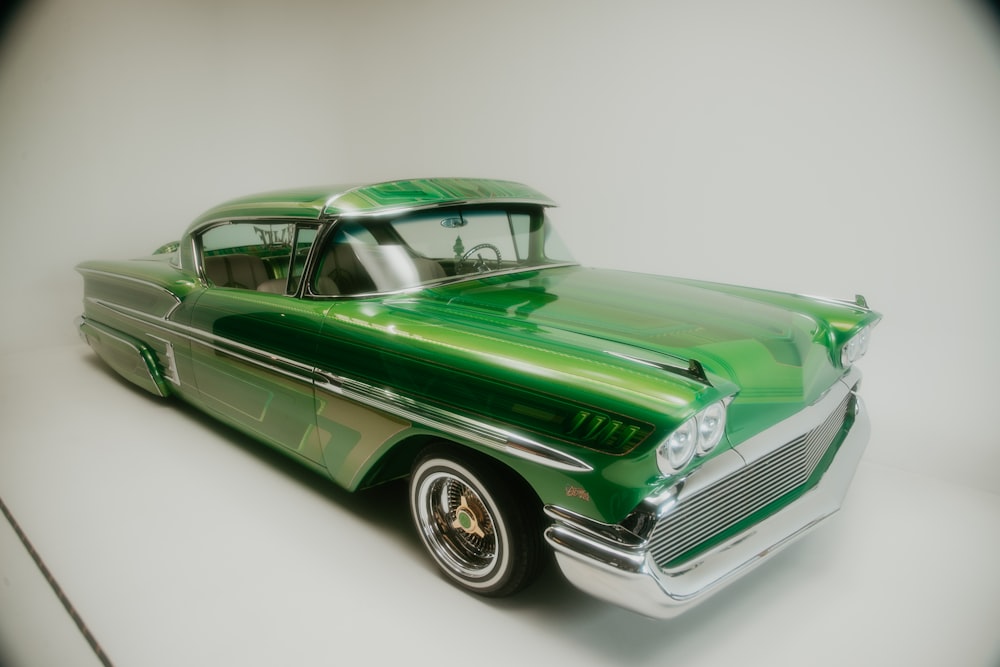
(476,521)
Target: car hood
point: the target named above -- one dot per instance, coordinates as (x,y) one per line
(774,353)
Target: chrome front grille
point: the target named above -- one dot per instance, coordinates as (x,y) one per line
(746,491)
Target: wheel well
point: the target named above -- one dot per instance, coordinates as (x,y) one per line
(398,461)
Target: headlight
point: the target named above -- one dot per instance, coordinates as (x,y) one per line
(856,347)
(678,449)
(711,426)
(698,435)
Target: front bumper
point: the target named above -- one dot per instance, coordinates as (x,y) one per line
(607,562)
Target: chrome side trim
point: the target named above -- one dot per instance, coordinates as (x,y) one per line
(449,422)
(275,364)
(265,360)
(375,397)
(120,276)
(141,281)
(170,372)
(111,333)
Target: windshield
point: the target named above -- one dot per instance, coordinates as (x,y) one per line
(377,255)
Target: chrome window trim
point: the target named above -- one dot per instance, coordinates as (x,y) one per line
(403,209)
(305,288)
(194,237)
(214,222)
(449,280)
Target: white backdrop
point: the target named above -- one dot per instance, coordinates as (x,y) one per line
(835,149)
(853,147)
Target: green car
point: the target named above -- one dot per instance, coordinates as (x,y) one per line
(662,436)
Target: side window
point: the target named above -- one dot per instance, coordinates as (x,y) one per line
(265,256)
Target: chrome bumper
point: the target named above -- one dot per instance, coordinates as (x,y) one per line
(596,558)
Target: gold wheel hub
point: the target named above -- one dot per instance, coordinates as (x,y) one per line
(467,520)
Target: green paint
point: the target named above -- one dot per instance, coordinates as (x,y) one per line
(576,359)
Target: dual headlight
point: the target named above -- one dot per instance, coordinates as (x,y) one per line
(697,436)
(856,347)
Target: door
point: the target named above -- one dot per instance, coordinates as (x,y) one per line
(252,339)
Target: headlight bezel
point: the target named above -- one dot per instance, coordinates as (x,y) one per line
(695,437)
(855,347)
(711,427)
(680,446)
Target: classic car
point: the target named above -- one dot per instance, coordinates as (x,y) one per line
(661,436)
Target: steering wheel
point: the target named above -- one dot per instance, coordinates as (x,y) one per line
(480,266)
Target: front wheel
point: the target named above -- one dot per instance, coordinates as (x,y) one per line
(480,531)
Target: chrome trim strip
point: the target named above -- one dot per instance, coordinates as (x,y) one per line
(141,281)
(375,397)
(170,372)
(263,361)
(194,233)
(122,276)
(609,532)
(693,369)
(449,422)
(288,367)
(340,214)
(851,303)
(532,450)
(214,222)
(79,320)
(111,333)
(801,422)
(450,280)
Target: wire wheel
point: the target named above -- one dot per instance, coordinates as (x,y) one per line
(474,527)
(462,529)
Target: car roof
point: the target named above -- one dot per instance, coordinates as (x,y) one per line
(356,200)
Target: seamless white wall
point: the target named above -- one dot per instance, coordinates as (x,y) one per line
(849,147)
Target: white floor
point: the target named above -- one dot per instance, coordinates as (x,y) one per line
(180,542)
